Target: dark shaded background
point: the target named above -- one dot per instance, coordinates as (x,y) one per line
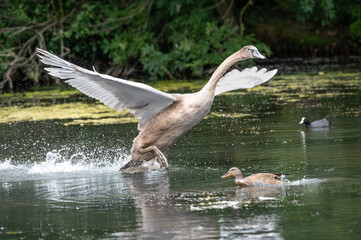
(163,39)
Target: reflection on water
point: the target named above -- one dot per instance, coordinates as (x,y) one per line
(258,227)
(261,193)
(161,214)
(61,181)
(131,205)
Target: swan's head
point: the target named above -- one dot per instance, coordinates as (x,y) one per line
(250,51)
(234,171)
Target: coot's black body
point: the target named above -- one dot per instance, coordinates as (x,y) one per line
(323,123)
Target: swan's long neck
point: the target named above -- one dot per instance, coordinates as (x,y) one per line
(225,65)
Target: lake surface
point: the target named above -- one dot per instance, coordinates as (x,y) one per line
(62,182)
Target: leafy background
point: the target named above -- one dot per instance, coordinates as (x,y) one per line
(164,39)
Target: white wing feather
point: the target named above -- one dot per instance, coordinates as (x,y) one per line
(142,100)
(248,78)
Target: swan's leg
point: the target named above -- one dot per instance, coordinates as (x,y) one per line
(161,158)
(165,161)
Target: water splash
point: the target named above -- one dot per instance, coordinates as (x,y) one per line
(216,205)
(305,181)
(60,161)
(6,165)
(53,165)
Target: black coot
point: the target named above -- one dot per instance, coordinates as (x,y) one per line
(323,123)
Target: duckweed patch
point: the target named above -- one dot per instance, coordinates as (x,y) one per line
(70,113)
(302,87)
(295,88)
(228,115)
(40,94)
(60,104)
(173,86)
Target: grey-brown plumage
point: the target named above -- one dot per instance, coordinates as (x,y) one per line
(254,179)
(164,117)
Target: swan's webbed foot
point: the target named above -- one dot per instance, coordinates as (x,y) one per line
(130,164)
(160,156)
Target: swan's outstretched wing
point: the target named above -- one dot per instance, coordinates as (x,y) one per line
(142,100)
(248,78)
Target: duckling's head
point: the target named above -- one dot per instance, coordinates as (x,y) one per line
(235,172)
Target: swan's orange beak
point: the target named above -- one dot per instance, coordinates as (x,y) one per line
(226,175)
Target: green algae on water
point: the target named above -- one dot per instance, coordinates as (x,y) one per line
(70,113)
(60,104)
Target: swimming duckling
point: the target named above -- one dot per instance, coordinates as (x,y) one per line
(254,179)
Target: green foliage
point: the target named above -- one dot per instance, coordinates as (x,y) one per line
(322,11)
(203,45)
(310,11)
(159,39)
(355,27)
(177,39)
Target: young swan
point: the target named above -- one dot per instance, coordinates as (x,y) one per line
(254,179)
(164,117)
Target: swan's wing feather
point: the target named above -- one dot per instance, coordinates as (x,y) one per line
(142,100)
(248,78)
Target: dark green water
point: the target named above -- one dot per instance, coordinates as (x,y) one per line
(61,182)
